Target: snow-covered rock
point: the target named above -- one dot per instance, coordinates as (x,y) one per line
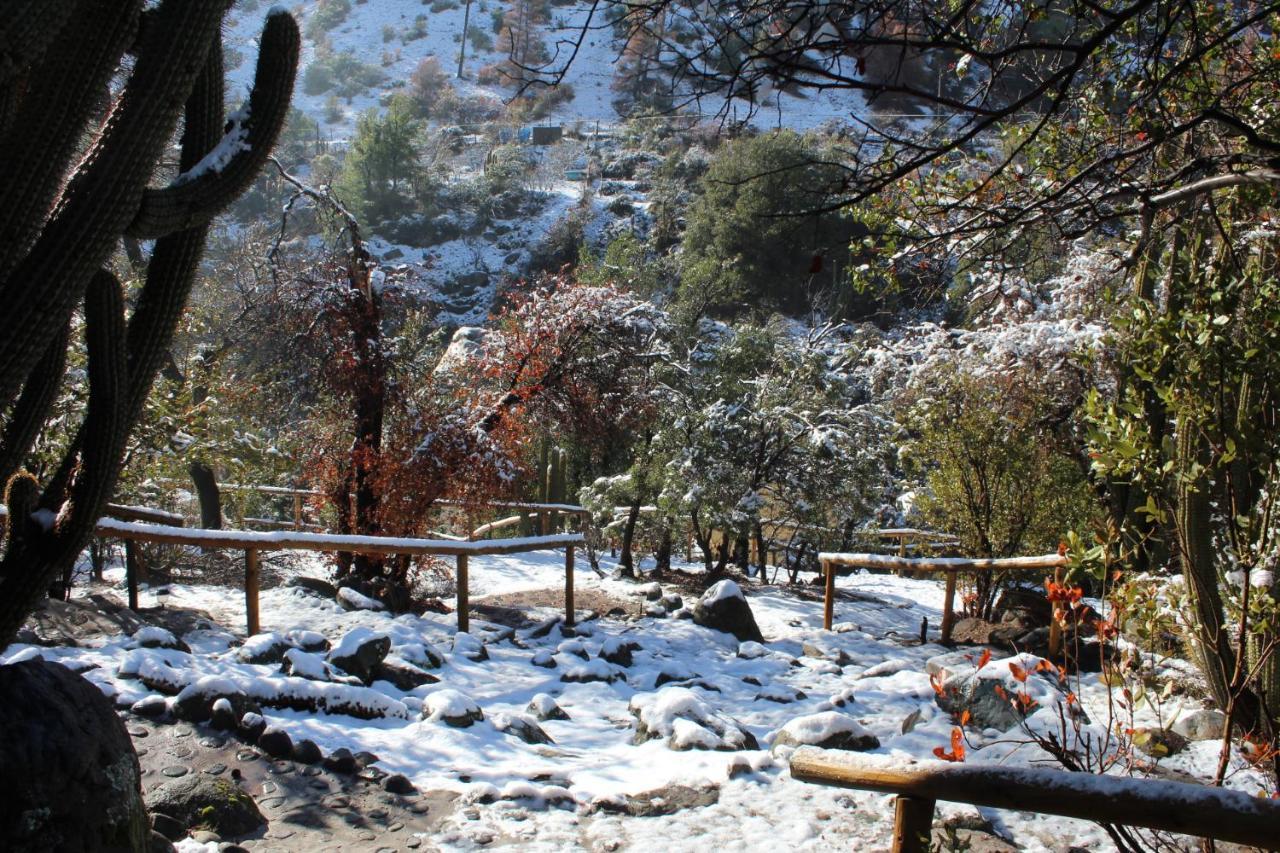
(452,708)
(195,701)
(263,648)
(827,729)
(359,651)
(544,707)
(422,655)
(469,647)
(592,670)
(1201,724)
(618,651)
(723,607)
(678,714)
(354,600)
(521,726)
(1003,692)
(155,637)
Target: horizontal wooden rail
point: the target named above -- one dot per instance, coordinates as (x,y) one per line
(1179,807)
(124,512)
(950,565)
(254,542)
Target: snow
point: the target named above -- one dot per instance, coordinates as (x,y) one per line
(722,591)
(595,757)
(154,635)
(354,639)
(447,703)
(816,728)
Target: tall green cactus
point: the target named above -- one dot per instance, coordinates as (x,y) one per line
(65,205)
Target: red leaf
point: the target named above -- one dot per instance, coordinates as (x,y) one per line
(985,659)
(1018,672)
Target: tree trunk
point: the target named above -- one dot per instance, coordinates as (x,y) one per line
(625,560)
(207,492)
(662,556)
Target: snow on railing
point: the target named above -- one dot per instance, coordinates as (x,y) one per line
(1180,807)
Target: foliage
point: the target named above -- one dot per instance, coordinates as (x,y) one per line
(381,170)
(753,243)
(341,72)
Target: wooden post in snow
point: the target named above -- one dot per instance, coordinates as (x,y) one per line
(251,581)
(949,608)
(912,824)
(568,585)
(131,571)
(297,512)
(829,598)
(464,601)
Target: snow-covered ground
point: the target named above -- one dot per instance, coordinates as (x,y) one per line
(871,672)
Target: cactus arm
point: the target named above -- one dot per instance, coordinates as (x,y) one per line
(103,196)
(58,99)
(208,187)
(27,417)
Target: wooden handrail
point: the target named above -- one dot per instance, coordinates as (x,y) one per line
(950,565)
(254,542)
(124,512)
(1178,807)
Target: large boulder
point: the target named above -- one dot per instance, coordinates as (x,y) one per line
(209,801)
(69,778)
(1201,724)
(1002,693)
(359,652)
(723,607)
(1023,606)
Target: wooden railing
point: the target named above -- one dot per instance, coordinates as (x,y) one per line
(1180,807)
(255,542)
(950,565)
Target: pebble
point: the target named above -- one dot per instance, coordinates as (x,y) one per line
(413,843)
(319,784)
(338,802)
(395,827)
(246,755)
(141,751)
(138,731)
(367,836)
(279,768)
(213,742)
(182,752)
(271,802)
(353,819)
(377,813)
(311,771)
(216,769)
(279,834)
(419,808)
(204,836)
(270,787)
(173,771)
(182,731)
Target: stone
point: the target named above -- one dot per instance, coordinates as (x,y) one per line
(1201,724)
(263,649)
(521,726)
(827,730)
(723,607)
(452,708)
(208,802)
(398,783)
(194,703)
(663,801)
(341,761)
(251,727)
(469,647)
(687,722)
(174,771)
(69,777)
(204,836)
(153,637)
(359,651)
(171,828)
(617,651)
(421,655)
(157,843)
(989,695)
(1157,742)
(152,707)
(544,659)
(306,752)
(1023,606)
(402,675)
(275,742)
(544,707)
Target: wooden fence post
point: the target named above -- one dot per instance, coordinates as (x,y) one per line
(949,608)
(297,512)
(829,599)
(131,572)
(251,580)
(568,585)
(912,824)
(464,601)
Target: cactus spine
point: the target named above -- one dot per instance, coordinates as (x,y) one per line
(64,209)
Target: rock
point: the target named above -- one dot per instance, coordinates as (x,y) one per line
(276,742)
(1201,725)
(544,707)
(223,715)
(651,591)
(828,730)
(618,651)
(251,727)
(544,659)
(522,727)
(306,752)
(403,675)
(207,801)
(320,587)
(996,697)
(398,783)
(194,703)
(451,707)
(154,637)
(573,647)
(341,761)
(469,647)
(204,836)
(1022,606)
(723,607)
(421,655)
(781,695)
(1158,743)
(592,670)
(359,651)
(308,641)
(839,657)
(263,648)
(170,827)
(686,721)
(949,664)
(152,707)
(157,843)
(664,801)
(750,650)
(365,758)
(352,599)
